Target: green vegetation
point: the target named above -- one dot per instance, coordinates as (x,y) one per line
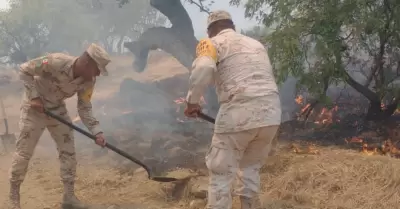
(350,42)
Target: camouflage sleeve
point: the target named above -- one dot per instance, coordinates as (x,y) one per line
(85,110)
(203,70)
(27,71)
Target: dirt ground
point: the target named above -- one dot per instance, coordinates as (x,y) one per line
(332,179)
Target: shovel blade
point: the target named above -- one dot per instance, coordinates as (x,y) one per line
(11,138)
(163,179)
(8,141)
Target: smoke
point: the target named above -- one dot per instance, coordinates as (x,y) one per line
(287,94)
(140,116)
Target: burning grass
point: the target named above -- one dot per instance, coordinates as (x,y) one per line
(331,180)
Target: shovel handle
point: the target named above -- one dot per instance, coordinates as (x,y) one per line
(6,125)
(206,117)
(91,136)
(3,113)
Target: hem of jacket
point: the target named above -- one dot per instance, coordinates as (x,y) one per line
(244,128)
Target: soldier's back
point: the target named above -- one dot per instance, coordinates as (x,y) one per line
(245,84)
(243,66)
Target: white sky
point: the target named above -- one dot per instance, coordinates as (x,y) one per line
(199,19)
(3,4)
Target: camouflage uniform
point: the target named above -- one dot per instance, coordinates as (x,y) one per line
(249,114)
(51,79)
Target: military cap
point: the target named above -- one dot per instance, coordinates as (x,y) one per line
(100,56)
(218,15)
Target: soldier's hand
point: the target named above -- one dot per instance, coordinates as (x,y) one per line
(192,110)
(100,140)
(37,104)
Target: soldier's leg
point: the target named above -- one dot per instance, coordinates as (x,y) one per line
(31,125)
(222,161)
(248,177)
(64,138)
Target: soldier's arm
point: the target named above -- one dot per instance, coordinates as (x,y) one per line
(85,110)
(34,67)
(202,70)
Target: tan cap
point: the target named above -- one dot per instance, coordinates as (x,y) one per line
(100,56)
(218,15)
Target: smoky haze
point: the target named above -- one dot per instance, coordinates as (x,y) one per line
(139,112)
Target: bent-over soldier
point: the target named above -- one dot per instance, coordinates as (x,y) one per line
(48,81)
(249,114)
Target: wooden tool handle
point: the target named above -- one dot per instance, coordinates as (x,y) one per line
(3,114)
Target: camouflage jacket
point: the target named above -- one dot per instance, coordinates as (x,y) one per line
(240,69)
(51,78)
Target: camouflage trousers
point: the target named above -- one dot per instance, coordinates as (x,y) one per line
(32,125)
(237,156)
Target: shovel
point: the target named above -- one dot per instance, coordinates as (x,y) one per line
(206,117)
(113,148)
(6,138)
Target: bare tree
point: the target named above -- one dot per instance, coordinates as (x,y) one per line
(177,40)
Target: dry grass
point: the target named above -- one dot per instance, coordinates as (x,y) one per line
(335,179)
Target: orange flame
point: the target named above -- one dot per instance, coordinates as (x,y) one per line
(299,99)
(324,117)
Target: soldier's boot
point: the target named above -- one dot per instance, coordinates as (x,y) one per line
(70,201)
(250,203)
(14,199)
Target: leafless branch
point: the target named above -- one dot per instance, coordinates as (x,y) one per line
(200,5)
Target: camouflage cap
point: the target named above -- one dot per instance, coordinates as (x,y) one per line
(100,56)
(218,15)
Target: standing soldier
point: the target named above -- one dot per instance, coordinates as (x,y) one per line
(48,81)
(249,114)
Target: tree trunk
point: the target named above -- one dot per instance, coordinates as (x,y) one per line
(179,41)
(120,48)
(376,113)
(160,38)
(375,110)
